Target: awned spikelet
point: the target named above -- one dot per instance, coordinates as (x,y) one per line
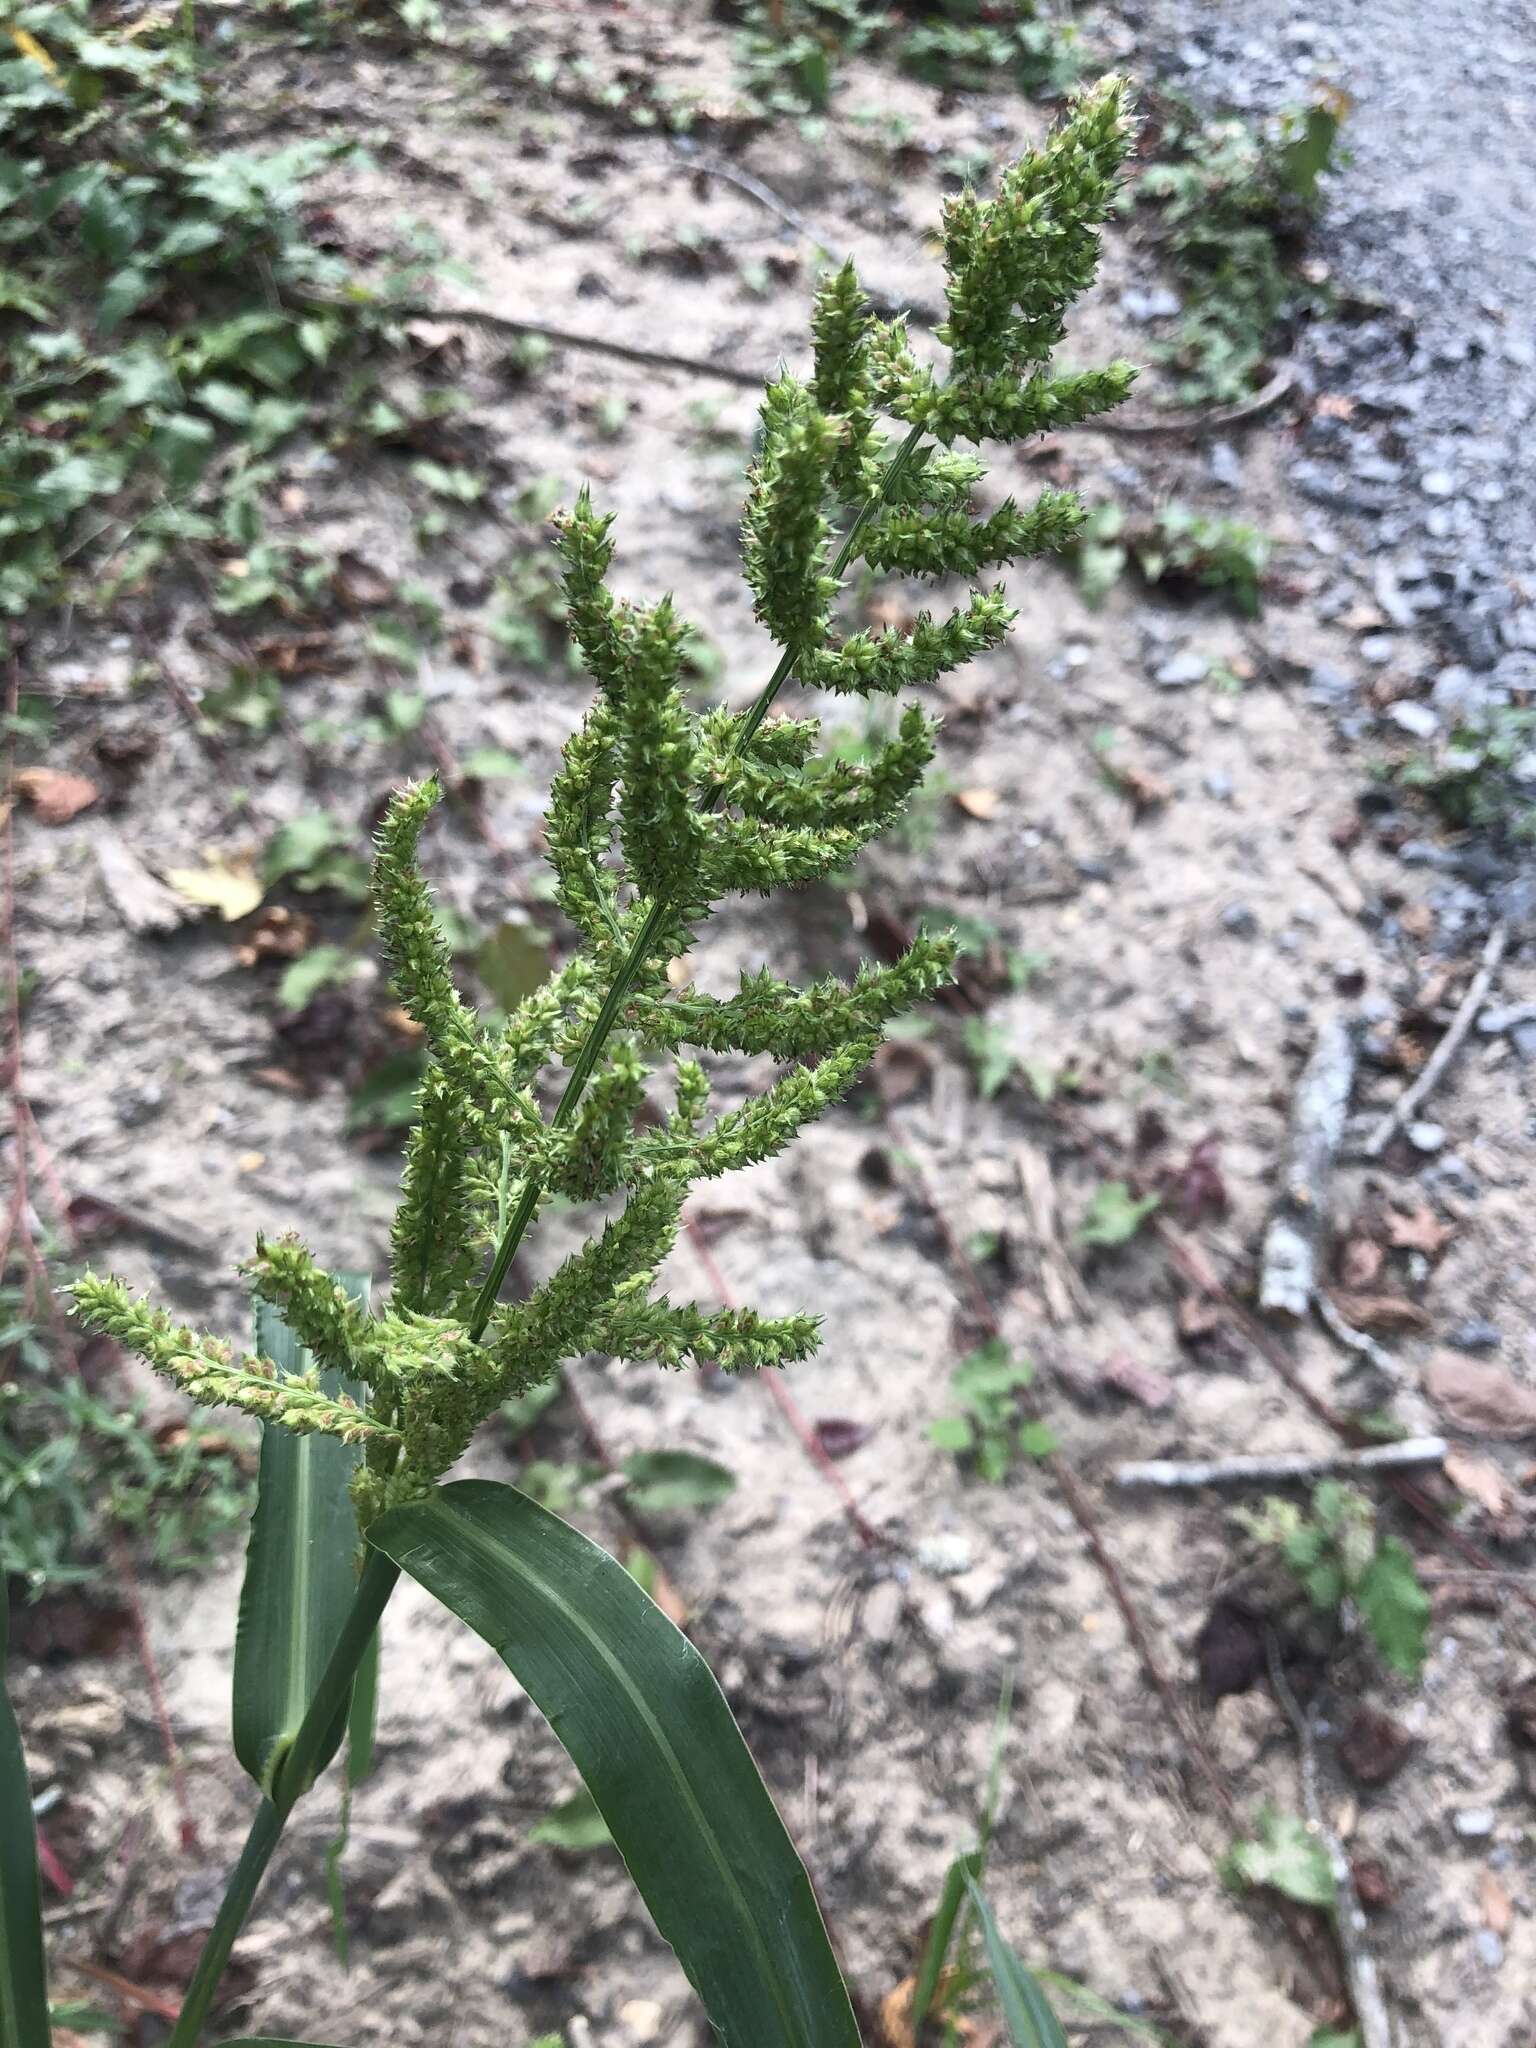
(657,813)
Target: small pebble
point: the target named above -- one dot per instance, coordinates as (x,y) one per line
(1489,1946)
(1426,1137)
(1240,921)
(1475,1333)
(1181,670)
(1408,715)
(1437,483)
(1473,1823)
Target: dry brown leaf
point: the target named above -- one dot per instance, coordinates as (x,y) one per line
(55,796)
(1360,1263)
(1419,1230)
(1144,1383)
(278,934)
(1480,1480)
(1385,1314)
(979,803)
(1481,1399)
(1498,1908)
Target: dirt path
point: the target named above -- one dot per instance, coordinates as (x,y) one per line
(1157,825)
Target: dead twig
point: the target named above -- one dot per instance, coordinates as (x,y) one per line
(1298,1225)
(1280,1470)
(1412,1099)
(558,337)
(1066,1298)
(809,1442)
(1375,1355)
(1360,1972)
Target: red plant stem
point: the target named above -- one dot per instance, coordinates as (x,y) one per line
(805,1435)
(48,1863)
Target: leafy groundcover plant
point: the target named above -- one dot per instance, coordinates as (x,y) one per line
(657,814)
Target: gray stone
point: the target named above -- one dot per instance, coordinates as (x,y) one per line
(1474,1333)
(1425,1137)
(1499,1018)
(1240,921)
(1378,649)
(1330,685)
(1218,784)
(1437,483)
(1421,721)
(1489,1946)
(1180,670)
(1473,1823)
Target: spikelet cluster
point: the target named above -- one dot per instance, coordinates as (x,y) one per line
(658,813)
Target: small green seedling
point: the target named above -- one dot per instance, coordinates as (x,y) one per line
(1343,1564)
(990,1431)
(1113,1216)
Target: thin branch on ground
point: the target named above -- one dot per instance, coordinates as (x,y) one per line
(1360,1972)
(1364,1347)
(1283,1469)
(1412,1099)
(1299,1221)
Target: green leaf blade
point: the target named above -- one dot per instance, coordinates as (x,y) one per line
(1029,2020)
(23,1973)
(648,1728)
(299,1575)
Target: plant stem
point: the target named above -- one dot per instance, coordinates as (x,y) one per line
(379,1573)
(655,917)
(379,1576)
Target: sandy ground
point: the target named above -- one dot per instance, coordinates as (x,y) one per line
(1186,949)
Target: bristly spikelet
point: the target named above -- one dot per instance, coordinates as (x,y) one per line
(657,812)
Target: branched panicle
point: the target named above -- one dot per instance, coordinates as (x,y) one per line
(656,813)
(314,1304)
(843,383)
(663,833)
(593,619)
(786,535)
(210,1372)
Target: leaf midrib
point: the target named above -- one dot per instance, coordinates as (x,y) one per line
(500,1553)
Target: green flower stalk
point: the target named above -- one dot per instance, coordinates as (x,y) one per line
(658,813)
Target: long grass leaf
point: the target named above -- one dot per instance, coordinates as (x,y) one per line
(299,1571)
(1029,2020)
(23,1974)
(936,1952)
(649,1730)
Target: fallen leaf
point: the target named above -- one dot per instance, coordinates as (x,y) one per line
(1484,1400)
(278,934)
(226,883)
(1231,1650)
(1385,1314)
(1144,1383)
(979,803)
(1480,1480)
(1498,1908)
(1374,1747)
(1196,1189)
(1419,1230)
(1360,1262)
(358,585)
(54,796)
(1373,1887)
(840,1435)
(1334,405)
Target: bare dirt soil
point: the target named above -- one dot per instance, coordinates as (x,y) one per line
(1187,871)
